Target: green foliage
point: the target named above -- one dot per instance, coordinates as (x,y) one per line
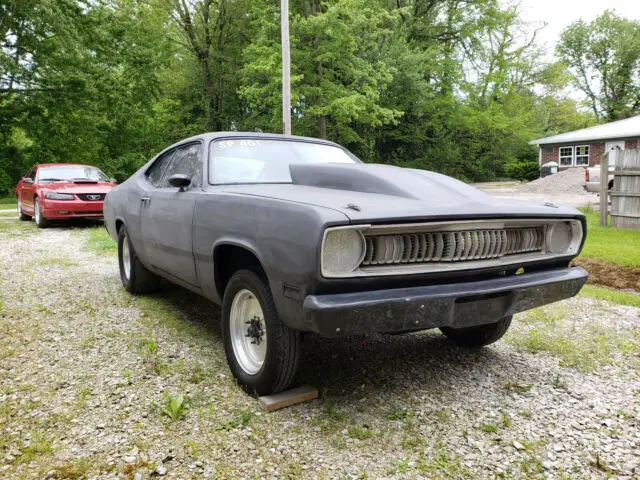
(522,170)
(241,420)
(604,58)
(174,406)
(457,87)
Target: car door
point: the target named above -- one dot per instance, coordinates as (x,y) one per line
(141,225)
(26,191)
(171,211)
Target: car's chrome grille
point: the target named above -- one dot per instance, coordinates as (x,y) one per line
(451,246)
(91,197)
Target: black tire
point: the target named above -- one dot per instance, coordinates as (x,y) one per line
(139,279)
(21,215)
(283,343)
(480,335)
(41,222)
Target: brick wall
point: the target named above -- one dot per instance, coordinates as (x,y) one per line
(631,144)
(596,150)
(549,157)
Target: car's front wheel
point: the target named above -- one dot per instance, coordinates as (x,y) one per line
(21,215)
(262,352)
(41,222)
(134,275)
(480,335)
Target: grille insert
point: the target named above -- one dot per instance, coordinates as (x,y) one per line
(92,197)
(451,246)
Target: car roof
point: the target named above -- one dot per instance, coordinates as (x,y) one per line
(64,165)
(276,136)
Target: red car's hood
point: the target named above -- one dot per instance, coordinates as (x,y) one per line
(79,187)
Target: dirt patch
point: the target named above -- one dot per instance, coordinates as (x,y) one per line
(610,275)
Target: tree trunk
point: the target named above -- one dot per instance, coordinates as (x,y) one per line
(322,126)
(209,96)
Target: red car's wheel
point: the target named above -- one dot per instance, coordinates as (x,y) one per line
(41,222)
(21,215)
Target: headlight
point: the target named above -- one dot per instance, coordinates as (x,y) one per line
(343,249)
(58,196)
(564,237)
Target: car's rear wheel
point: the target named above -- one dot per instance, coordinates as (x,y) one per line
(262,352)
(134,275)
(480,335)
(21,215)
(41,222)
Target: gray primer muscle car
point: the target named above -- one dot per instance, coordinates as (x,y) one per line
(294,235)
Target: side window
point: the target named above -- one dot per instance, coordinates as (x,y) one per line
(188,161)
(154,173)
(32,174)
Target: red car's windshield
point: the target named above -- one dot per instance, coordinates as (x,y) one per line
(70,172)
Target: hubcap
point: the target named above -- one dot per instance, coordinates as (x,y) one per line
(126,257)
(38,211)
(19,210)
(248,332)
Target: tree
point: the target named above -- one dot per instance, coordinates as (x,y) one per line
(604,58)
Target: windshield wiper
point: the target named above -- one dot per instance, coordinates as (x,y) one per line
(52,180)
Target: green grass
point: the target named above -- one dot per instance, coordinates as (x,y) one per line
(8,202)
(613,296)
(612,245)
(100,242)
(584,347)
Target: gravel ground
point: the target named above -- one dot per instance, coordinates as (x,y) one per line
(563,188)
(86,370)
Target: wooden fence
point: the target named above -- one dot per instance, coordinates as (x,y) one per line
(625,195)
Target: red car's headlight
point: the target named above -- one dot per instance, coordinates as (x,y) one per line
(58,196)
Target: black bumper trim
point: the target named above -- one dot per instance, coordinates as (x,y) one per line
(454,305)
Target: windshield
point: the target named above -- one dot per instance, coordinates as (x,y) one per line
(70,172)
(267,161)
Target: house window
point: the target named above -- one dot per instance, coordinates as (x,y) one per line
(547,150)
(582,156)
(566,156)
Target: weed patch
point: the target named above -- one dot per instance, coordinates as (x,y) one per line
(174,406)
(582,346)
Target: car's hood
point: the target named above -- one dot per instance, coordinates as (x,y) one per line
(79,187)
(383,193)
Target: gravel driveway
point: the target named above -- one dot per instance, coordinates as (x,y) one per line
(86,371)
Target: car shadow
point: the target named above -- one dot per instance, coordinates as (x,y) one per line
(75,223)
(389,364)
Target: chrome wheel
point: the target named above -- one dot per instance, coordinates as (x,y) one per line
(20,215)
(38,212)
(126,257)
(248,331)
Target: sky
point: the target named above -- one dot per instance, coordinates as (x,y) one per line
(558,14)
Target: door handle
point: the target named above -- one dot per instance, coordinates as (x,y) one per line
(145,200)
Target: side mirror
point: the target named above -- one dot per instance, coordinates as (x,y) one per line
(180,180)
(27,180)
(114,181)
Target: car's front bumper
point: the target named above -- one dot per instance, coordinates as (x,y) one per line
(61,209)
(455,305)
(593,187)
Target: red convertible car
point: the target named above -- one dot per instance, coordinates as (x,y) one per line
(59,191)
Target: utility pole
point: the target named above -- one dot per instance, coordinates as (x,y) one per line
(286,67)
